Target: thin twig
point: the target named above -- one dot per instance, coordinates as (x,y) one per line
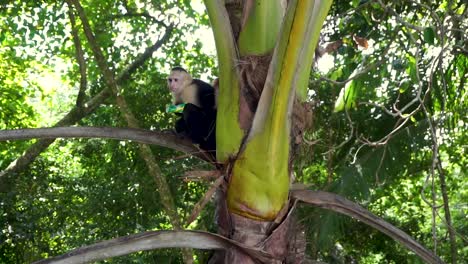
(398,18)
(145,15)
(204,200)
(80,59)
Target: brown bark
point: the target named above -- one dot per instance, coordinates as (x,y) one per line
(279,239)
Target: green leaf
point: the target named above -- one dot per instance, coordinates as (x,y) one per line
(404,85)
(411,70)
(429,35)
(346,98)
(336,74)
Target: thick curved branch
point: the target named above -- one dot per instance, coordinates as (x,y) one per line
(341,205)
(163,139)
(153,240)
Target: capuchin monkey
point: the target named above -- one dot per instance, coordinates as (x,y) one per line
(198,120)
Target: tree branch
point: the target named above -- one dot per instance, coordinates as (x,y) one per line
(398,18)
(140,60)
(145,15)
(363,71)
(80,59)
(341,205)
(202,240)
(163,139)
(153,240)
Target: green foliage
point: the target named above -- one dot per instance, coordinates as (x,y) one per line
(16,93)
(347,97)
(385,161)
(429,35)
(82,191)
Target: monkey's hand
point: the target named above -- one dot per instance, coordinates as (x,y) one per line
(180,126)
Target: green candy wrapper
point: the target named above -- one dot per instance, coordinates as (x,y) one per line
(175,108)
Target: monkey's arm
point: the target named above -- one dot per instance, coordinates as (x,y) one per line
(180,125)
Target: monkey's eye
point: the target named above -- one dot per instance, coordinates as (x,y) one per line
(169,79)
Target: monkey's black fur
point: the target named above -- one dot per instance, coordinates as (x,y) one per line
(199,123)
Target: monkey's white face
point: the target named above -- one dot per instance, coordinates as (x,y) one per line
(175,82)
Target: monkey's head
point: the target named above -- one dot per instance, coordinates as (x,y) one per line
(178,79)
